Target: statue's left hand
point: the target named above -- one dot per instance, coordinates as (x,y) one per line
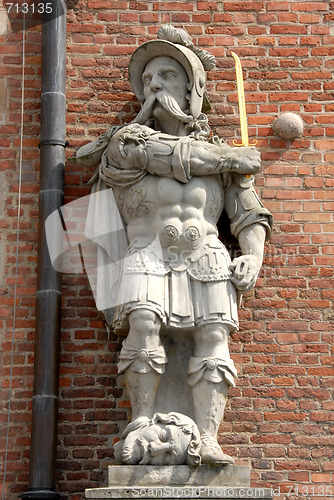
(244,272)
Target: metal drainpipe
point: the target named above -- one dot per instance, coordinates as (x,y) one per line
(43,448)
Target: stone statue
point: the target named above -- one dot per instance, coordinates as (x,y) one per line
(171,182)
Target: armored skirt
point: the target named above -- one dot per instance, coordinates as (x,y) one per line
(196,292)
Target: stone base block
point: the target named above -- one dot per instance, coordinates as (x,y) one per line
(179,481)
(178,475)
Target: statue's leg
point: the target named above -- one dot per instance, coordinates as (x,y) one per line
(211,372)
(143,361)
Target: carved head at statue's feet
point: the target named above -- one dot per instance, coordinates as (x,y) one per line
(166,439)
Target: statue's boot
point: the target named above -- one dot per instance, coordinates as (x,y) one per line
(210,379)
(141,389)
(142,370)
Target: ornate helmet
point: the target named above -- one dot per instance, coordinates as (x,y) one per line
(175,43)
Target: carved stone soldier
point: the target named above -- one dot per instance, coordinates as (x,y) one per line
(171,182)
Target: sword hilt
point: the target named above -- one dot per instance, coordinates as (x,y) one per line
(235,143)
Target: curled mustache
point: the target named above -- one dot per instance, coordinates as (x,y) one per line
(167,102)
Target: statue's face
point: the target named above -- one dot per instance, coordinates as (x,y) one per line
(165,74)
(157,444)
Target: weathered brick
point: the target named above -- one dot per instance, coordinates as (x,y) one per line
(173,6)
(287,17)
(309,6)
(321,478)
(249,5)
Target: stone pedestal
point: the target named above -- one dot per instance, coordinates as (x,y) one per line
(179,481)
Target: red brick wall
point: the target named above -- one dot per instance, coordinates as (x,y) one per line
(280,417)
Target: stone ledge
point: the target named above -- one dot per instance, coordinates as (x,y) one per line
(172,492)
(179,481)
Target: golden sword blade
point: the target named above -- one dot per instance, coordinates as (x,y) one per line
(242,104)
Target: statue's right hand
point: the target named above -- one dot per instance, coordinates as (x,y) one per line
(244,160)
